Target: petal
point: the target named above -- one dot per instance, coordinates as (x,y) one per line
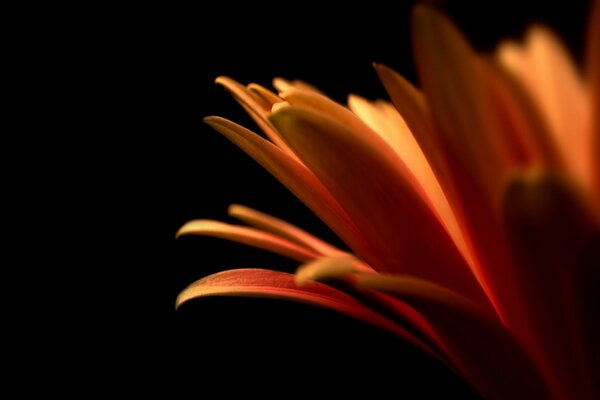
(477,343)
(593,75)
(472,141)
(459,88)
(264,94)
(548,72)
(248,236)
(541,212)
(334,267)
(296,177)
(283,85)
(283,229)
(383,118)
(273,284)
(365,179)
(256,109)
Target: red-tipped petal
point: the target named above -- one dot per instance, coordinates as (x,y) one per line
(280,285)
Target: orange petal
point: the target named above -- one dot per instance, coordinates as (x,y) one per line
(475,144)
(550,75)
(280,285)
(593,75)
(477,343)
(384,119)
(264,94)
(255,109)
(296,177)
(550,231)
(459,88)
(283,85)
(248,236)
(283,229)
(334,267)
(365,179)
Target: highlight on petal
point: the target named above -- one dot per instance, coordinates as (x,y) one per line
(297,178)
(255,109)
(280,285)
(399,225)
(248,236)
(334,267)
(283,229)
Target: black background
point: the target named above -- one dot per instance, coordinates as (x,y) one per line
(155,166)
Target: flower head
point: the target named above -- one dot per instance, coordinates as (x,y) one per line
(471,206)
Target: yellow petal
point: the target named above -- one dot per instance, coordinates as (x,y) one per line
(248,236)
(282,228)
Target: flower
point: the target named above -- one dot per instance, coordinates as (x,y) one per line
(471,207)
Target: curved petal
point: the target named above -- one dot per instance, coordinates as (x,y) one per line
(248,236)
(406,235)
(477,343)
(296,177)
(280,285)
(334,267)
(255,109)
(281,228)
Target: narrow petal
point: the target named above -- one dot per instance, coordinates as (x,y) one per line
(283,85)
(334,267)
(264,94)
(283,229)
(477,343)
(280,285)
(297,178)
(255,109)
(248,236)
(407,236)
(541,212)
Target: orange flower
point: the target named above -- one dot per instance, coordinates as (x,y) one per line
(471,207)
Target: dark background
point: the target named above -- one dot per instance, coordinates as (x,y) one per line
(157,166)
